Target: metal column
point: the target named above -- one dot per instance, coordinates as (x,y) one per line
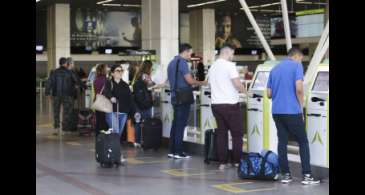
(284,9)
(257,29)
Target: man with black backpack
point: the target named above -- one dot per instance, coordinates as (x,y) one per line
(61,86)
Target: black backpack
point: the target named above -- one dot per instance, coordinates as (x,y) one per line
(142,96)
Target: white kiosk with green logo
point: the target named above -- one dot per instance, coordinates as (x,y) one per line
(207,120)
(167,112)
(317,116)
(261,129)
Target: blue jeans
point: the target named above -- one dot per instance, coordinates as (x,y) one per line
(145,114)
(181,115)
(118,123)
(294,124)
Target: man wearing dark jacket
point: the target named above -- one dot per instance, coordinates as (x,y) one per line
(61,86)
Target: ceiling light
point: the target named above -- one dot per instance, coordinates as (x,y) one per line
(131,5)
(311,3)
(37,1)
(264,5)
(106,1)
(113,5)
(269,11)
(206,3)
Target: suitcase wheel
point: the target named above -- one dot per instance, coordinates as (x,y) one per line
(206,161)
(106,165)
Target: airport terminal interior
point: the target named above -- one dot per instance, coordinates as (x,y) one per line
(128,33)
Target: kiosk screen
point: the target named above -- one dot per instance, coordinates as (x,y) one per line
(261,80)
(322,82)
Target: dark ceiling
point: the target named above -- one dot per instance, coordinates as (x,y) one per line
(226,6)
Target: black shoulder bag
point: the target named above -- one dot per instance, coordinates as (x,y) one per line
(183,95)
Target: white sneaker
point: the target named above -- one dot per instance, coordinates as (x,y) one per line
(182,156)
(122,159)
(137,145)
(308,180)
(222,167)
(170,155)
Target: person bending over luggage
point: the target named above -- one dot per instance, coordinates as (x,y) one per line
(61,87)
(99,84)
(225,87)
(120,95)
(285,87)
(142,97)
(180,75)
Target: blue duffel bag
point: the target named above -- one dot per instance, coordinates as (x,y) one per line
(256,166)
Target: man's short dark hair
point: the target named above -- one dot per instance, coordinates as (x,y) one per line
(293,51)
(184,47)
(62,61)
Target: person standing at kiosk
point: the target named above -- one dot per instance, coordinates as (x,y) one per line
(225,85)
(180,77)
(285,87)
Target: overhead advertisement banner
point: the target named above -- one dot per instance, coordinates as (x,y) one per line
(235,29)
(94,28)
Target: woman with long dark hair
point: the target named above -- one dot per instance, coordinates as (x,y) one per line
(142,97)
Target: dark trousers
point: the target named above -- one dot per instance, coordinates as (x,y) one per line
(181,115)
(68,103)
(293,124)
(100,123)
(228,117)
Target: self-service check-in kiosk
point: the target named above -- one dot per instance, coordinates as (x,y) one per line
(207,120)
(261,129)
(167,112)
(317,116)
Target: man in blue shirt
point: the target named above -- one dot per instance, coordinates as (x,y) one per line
(184,80)
(285,87)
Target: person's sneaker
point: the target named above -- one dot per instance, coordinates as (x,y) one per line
(122,159)
(286,178)
(236,165)
(137,145)
(222,167)
(170,155)
(308,180)
(181,156)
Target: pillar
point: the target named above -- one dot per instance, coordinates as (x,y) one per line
(58,34)
(160,29)
(202,33)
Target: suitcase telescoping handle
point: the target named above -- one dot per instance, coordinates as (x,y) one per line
(117,115)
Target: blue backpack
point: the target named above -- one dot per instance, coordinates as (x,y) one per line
(256,166)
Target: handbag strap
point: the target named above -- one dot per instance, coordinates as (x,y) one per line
(177,68)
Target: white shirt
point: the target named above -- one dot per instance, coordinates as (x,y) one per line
(219,77)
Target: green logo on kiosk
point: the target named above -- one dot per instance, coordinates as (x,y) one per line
(317,137)
(255,130)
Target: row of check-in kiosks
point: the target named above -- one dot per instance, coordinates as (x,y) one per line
(261,130)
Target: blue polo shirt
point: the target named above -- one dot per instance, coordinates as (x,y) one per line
(282,84)
(183,70)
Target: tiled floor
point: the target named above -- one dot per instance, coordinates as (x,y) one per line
(66,165)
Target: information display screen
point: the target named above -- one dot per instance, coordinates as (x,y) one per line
(322,82)
(260,80)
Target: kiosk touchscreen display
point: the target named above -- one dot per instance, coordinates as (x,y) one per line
(260,80)
(322,82)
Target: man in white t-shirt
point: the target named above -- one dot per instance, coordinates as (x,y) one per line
(225,86)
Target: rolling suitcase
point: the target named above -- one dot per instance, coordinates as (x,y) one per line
(152,133)
(86,122)
(107,148)
(210,147)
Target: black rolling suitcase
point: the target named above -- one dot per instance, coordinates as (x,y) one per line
(107,148)
(210,151)
(210,147)
(152,133)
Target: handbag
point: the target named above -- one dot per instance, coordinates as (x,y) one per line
(182,95)
(102,103)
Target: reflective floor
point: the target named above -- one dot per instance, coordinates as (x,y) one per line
(66,165)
